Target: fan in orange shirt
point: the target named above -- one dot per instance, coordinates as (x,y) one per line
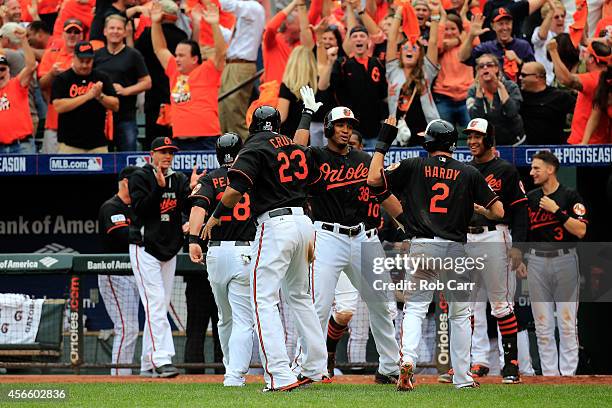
(81,10)
(15,120)
(194,85)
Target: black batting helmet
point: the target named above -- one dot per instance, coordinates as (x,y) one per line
(228,146)
(337,114)
(483,127)
(440,135)
(265,118)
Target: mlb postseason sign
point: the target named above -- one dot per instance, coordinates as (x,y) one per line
(112,163)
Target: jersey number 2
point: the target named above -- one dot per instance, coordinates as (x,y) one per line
(242,210)
(286,163)
(434,206)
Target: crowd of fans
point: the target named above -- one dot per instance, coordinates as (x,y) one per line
(72,72)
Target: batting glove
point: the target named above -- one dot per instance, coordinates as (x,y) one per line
(308,97)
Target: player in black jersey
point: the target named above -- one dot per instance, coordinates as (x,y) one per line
(339,203)
(557,221)
(438,196)
(119,292)
(275,172)
(492,240)
(227,261)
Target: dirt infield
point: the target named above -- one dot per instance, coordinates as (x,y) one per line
(344,379)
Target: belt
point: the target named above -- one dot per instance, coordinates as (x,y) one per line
(550,254)
(480,230)
(18,141)
(238,61)
(279,212)
(236,243)
(349,231)
(371,233)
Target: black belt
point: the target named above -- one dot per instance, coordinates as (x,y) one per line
(25,139)
(280,212)
(480,230)
(349,231)
(236,243)
(549,254)
(371,233)
(238,61)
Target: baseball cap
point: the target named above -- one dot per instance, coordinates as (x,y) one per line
(163,143)
(341,113)
(358,29)
(3,60)
(84,49)
(73,23)
(501,12)
(126,172)
(477,125)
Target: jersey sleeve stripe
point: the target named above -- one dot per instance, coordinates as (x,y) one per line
(114,227)
(520,200)
(200,196)
(244,174)
(491,202)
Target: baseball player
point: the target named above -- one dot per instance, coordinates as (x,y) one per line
(276,171)
(119,293)
(438,197)
(340,203)
(349,311)
(158,196)
(492,241)
(557,220)
(227,261)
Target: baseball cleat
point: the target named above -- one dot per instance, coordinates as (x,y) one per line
(510,374)
(147,373)
(286,388)
(331,364)
(447,377)
(327,379)
(475,384)
(385,378)
(304,381)
(406,378)
(478,370)
(166,371)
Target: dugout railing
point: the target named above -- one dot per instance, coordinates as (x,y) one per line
(66,340)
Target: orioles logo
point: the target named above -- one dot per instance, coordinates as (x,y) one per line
(347,112)
(76,90)
(579,209)
(167,141)
(167,205)
(494,183)
(503,12)
(375,74)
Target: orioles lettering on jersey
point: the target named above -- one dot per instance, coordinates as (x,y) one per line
(495,184)
(441,173)
(344,175)
(168,203)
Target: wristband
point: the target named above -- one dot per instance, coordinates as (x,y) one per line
(561,216)
(305,119)
(360,13)
(435,18)
(221,210)
(194,239)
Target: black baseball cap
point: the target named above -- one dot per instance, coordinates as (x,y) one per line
(501,12)
(84,49)
(126,172)
(163,143)
(3,60)
(358,29)
(73,23)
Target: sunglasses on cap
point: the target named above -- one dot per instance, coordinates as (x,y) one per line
(486,65)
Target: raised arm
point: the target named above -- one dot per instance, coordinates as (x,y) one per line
(25,75)
(563,74)
(211,16)
(160,47)
(305,34)
(432,50)
(465,52)
(393,34)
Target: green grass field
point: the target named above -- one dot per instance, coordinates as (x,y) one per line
(165,394)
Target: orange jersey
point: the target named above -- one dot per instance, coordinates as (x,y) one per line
(50,57)
(582,111)
(193,97)
(15,119)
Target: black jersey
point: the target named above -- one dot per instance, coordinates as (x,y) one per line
(274,169)
(504,179)
(160,210)
(438,195)
(207,193)
(341,194)
(544,225)
(115,219)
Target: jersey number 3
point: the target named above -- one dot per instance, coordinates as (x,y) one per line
(434,203)
(285,164)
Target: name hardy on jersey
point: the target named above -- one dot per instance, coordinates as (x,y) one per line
(441,173)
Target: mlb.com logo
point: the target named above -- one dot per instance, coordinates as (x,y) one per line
(530,152)
(137,160)
(76,164)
